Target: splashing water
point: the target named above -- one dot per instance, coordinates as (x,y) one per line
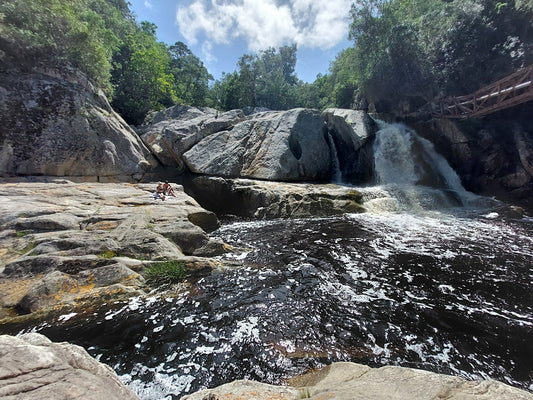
(335,163)
(411,175)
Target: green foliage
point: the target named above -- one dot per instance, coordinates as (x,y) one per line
(63,33)
(102,39)
(266,79)
(191,78)
(421,48)
(165,273)
(107,254)
(403,50)
(141,78)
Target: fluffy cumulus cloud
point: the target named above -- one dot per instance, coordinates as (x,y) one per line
(265,23)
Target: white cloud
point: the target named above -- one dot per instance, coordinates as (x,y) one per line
(265,23)
(207,51)
(148,4)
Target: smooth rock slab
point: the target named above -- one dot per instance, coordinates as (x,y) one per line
(175,130)
(34,368)
(350,381)
(65,127)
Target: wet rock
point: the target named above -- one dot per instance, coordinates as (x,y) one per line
(352,133)
(277,145)
(64,127)
(52,285)
(350,381)
(492,157)
(34,368)
(266,200)
(43,263)
(353,128)
(73,288)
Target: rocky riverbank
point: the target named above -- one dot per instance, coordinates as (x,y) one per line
(65,244)
(33,367)
(351,381)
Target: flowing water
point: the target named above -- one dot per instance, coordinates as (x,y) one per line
(425,279)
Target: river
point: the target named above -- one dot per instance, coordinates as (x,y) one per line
(429,278)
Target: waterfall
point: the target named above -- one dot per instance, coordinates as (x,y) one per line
(411,175)
(336,175)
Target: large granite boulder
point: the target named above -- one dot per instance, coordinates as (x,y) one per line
(350,381)
(69,244)
(276,145)
(171,132)
(350,132)
(34,368)
(62,126)
(266,200)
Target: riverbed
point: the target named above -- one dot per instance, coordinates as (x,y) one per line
(445,291)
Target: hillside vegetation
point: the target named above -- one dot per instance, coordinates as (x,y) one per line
(404,53)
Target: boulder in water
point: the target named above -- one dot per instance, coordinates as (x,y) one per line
(267,200)
(351,131)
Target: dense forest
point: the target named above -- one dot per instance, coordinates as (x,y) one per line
(404,53)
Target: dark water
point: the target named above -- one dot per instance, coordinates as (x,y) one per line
(441,292)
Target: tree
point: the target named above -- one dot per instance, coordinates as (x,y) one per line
(141,78)
(266,79)
(191,78)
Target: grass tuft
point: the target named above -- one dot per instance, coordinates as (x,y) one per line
(107,254)
(22,233)
(165,273)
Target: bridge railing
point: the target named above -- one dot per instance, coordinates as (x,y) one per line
(507,92)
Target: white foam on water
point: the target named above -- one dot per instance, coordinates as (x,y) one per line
(246,330)
(66,317)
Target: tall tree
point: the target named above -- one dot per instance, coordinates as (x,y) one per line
(191,78)
(141,78)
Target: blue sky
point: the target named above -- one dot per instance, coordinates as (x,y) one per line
(219,32)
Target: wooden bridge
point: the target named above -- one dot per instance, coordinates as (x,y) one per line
(510,91)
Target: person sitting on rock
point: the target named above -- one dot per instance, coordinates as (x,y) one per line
(160,192)
(167,188)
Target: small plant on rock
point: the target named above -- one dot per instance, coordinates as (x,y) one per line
(107,254)
(165,273)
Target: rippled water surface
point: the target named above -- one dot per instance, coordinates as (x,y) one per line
(436,291)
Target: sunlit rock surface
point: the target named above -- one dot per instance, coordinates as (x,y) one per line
(350,381)
(62,126)
(34,368)
(172,132)
(276,145)
(63,242)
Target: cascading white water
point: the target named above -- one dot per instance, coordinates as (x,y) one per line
(335,163)
(411,175)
